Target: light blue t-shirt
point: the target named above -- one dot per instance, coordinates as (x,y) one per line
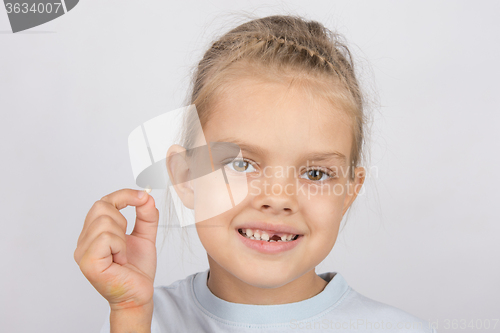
(188,306)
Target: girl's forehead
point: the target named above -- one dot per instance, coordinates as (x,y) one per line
(279,117)
(270,106)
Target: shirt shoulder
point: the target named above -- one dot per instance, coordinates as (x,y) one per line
(178,293)
(370,314)
(172,303)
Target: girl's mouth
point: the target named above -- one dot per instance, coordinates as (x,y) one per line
(264,236)
(266,243)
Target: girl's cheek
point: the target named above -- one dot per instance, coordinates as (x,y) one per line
(332,192)
(211,196)
(323,206)
(208,233)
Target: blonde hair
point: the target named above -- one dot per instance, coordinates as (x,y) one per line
(279,48)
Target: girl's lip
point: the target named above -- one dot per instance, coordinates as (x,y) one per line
(268,247)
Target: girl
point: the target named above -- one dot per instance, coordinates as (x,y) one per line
(284,90)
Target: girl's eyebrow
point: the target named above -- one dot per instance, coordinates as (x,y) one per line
(259,151)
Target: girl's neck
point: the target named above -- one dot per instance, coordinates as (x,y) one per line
(231,289)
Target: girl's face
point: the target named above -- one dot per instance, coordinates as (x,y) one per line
(282,134)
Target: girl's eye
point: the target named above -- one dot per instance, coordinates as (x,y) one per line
(316,175)
(239,165)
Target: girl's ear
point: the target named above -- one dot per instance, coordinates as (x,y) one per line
(178,171)
(354,187)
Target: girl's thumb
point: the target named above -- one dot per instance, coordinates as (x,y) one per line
(146,222)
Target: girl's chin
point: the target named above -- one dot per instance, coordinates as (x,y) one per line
(266,276)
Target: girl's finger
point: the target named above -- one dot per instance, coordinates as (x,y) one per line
(102,224)
(146,222)
(106,250)
(126,197)
(111,204)
(99,208)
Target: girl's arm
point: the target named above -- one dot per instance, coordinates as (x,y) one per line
(132,320)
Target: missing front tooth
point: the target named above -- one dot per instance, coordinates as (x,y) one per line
(275,238)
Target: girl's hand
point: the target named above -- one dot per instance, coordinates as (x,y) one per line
(120,267)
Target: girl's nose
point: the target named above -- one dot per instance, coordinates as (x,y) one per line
(276,195)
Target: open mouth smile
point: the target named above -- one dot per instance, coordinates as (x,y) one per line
(269,243)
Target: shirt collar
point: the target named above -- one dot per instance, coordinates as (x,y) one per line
(269,314)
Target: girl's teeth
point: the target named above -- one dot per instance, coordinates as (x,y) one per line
(260,235)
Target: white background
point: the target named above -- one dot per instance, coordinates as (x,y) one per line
(425,235)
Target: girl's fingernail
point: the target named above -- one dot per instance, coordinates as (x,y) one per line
(140,194)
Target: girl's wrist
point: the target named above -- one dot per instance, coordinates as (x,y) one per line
(134,319)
